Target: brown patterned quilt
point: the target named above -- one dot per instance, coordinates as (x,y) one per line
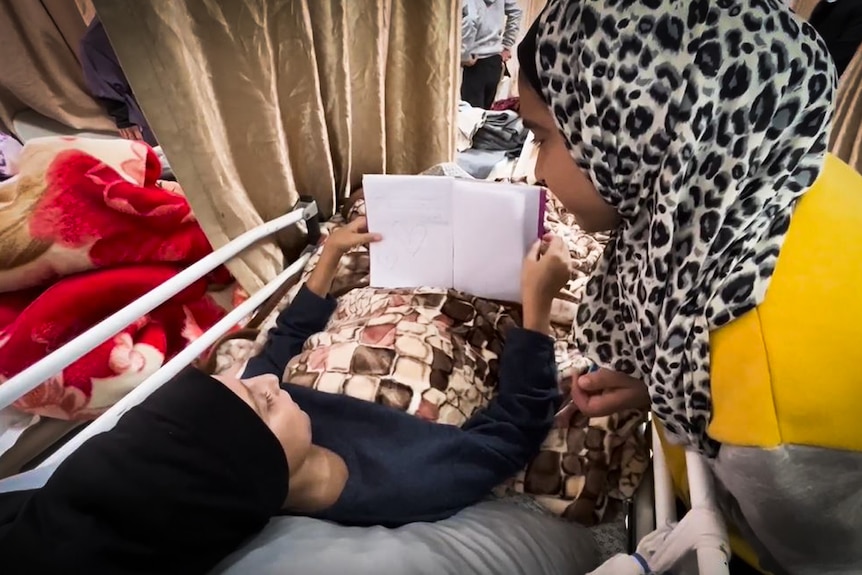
(434,353)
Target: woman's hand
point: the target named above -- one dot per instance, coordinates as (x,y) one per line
(605,392)
(546,270)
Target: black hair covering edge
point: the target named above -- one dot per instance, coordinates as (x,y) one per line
(527,57)
(180,482)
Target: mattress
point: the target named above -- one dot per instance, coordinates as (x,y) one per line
(491,538)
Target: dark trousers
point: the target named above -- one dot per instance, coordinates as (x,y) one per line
(479,82)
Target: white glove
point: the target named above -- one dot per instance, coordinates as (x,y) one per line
(664,548)
(699,529)
(620,565)
(640,563)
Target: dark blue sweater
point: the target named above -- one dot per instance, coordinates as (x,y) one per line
(404,469)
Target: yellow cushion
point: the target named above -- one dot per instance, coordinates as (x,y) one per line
(788,372)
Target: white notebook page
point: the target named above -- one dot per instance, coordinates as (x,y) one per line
(414,216)
(494,227)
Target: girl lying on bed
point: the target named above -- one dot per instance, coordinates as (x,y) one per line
(203,463)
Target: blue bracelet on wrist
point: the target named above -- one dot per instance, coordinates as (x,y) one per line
(643,563)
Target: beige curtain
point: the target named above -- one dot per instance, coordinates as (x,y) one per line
(40,67)
(532,9)
(258,101)
(804,8)
(846,140)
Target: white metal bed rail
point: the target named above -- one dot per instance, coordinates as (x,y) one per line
(57,360)
(108,419)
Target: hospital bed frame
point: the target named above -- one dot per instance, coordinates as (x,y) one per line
(653,505)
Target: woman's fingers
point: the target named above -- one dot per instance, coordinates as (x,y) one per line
(607,403)
(580,398)
(605,392)
(589,384)
(605,379)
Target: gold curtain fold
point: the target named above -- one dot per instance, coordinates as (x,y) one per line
(258,101)
(804,8)
(532,9)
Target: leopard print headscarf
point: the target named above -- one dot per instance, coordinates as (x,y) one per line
(702,122)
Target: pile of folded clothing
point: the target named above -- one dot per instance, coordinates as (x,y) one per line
(502,130)
(488,137)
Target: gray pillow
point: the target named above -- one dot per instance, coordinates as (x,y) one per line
(491,538)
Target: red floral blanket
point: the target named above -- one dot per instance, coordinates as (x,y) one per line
(85,229)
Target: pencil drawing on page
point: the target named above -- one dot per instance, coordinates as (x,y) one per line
(410,241)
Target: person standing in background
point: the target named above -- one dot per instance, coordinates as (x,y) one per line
(108,85)
(489,29)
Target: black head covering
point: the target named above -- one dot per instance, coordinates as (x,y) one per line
(181,481)
(840,25)
(527,61)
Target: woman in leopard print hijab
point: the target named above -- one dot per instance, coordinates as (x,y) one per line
(699,136)
(695,130)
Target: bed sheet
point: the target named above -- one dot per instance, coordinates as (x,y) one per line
(491,538)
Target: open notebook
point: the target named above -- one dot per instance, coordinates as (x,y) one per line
(446,232)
